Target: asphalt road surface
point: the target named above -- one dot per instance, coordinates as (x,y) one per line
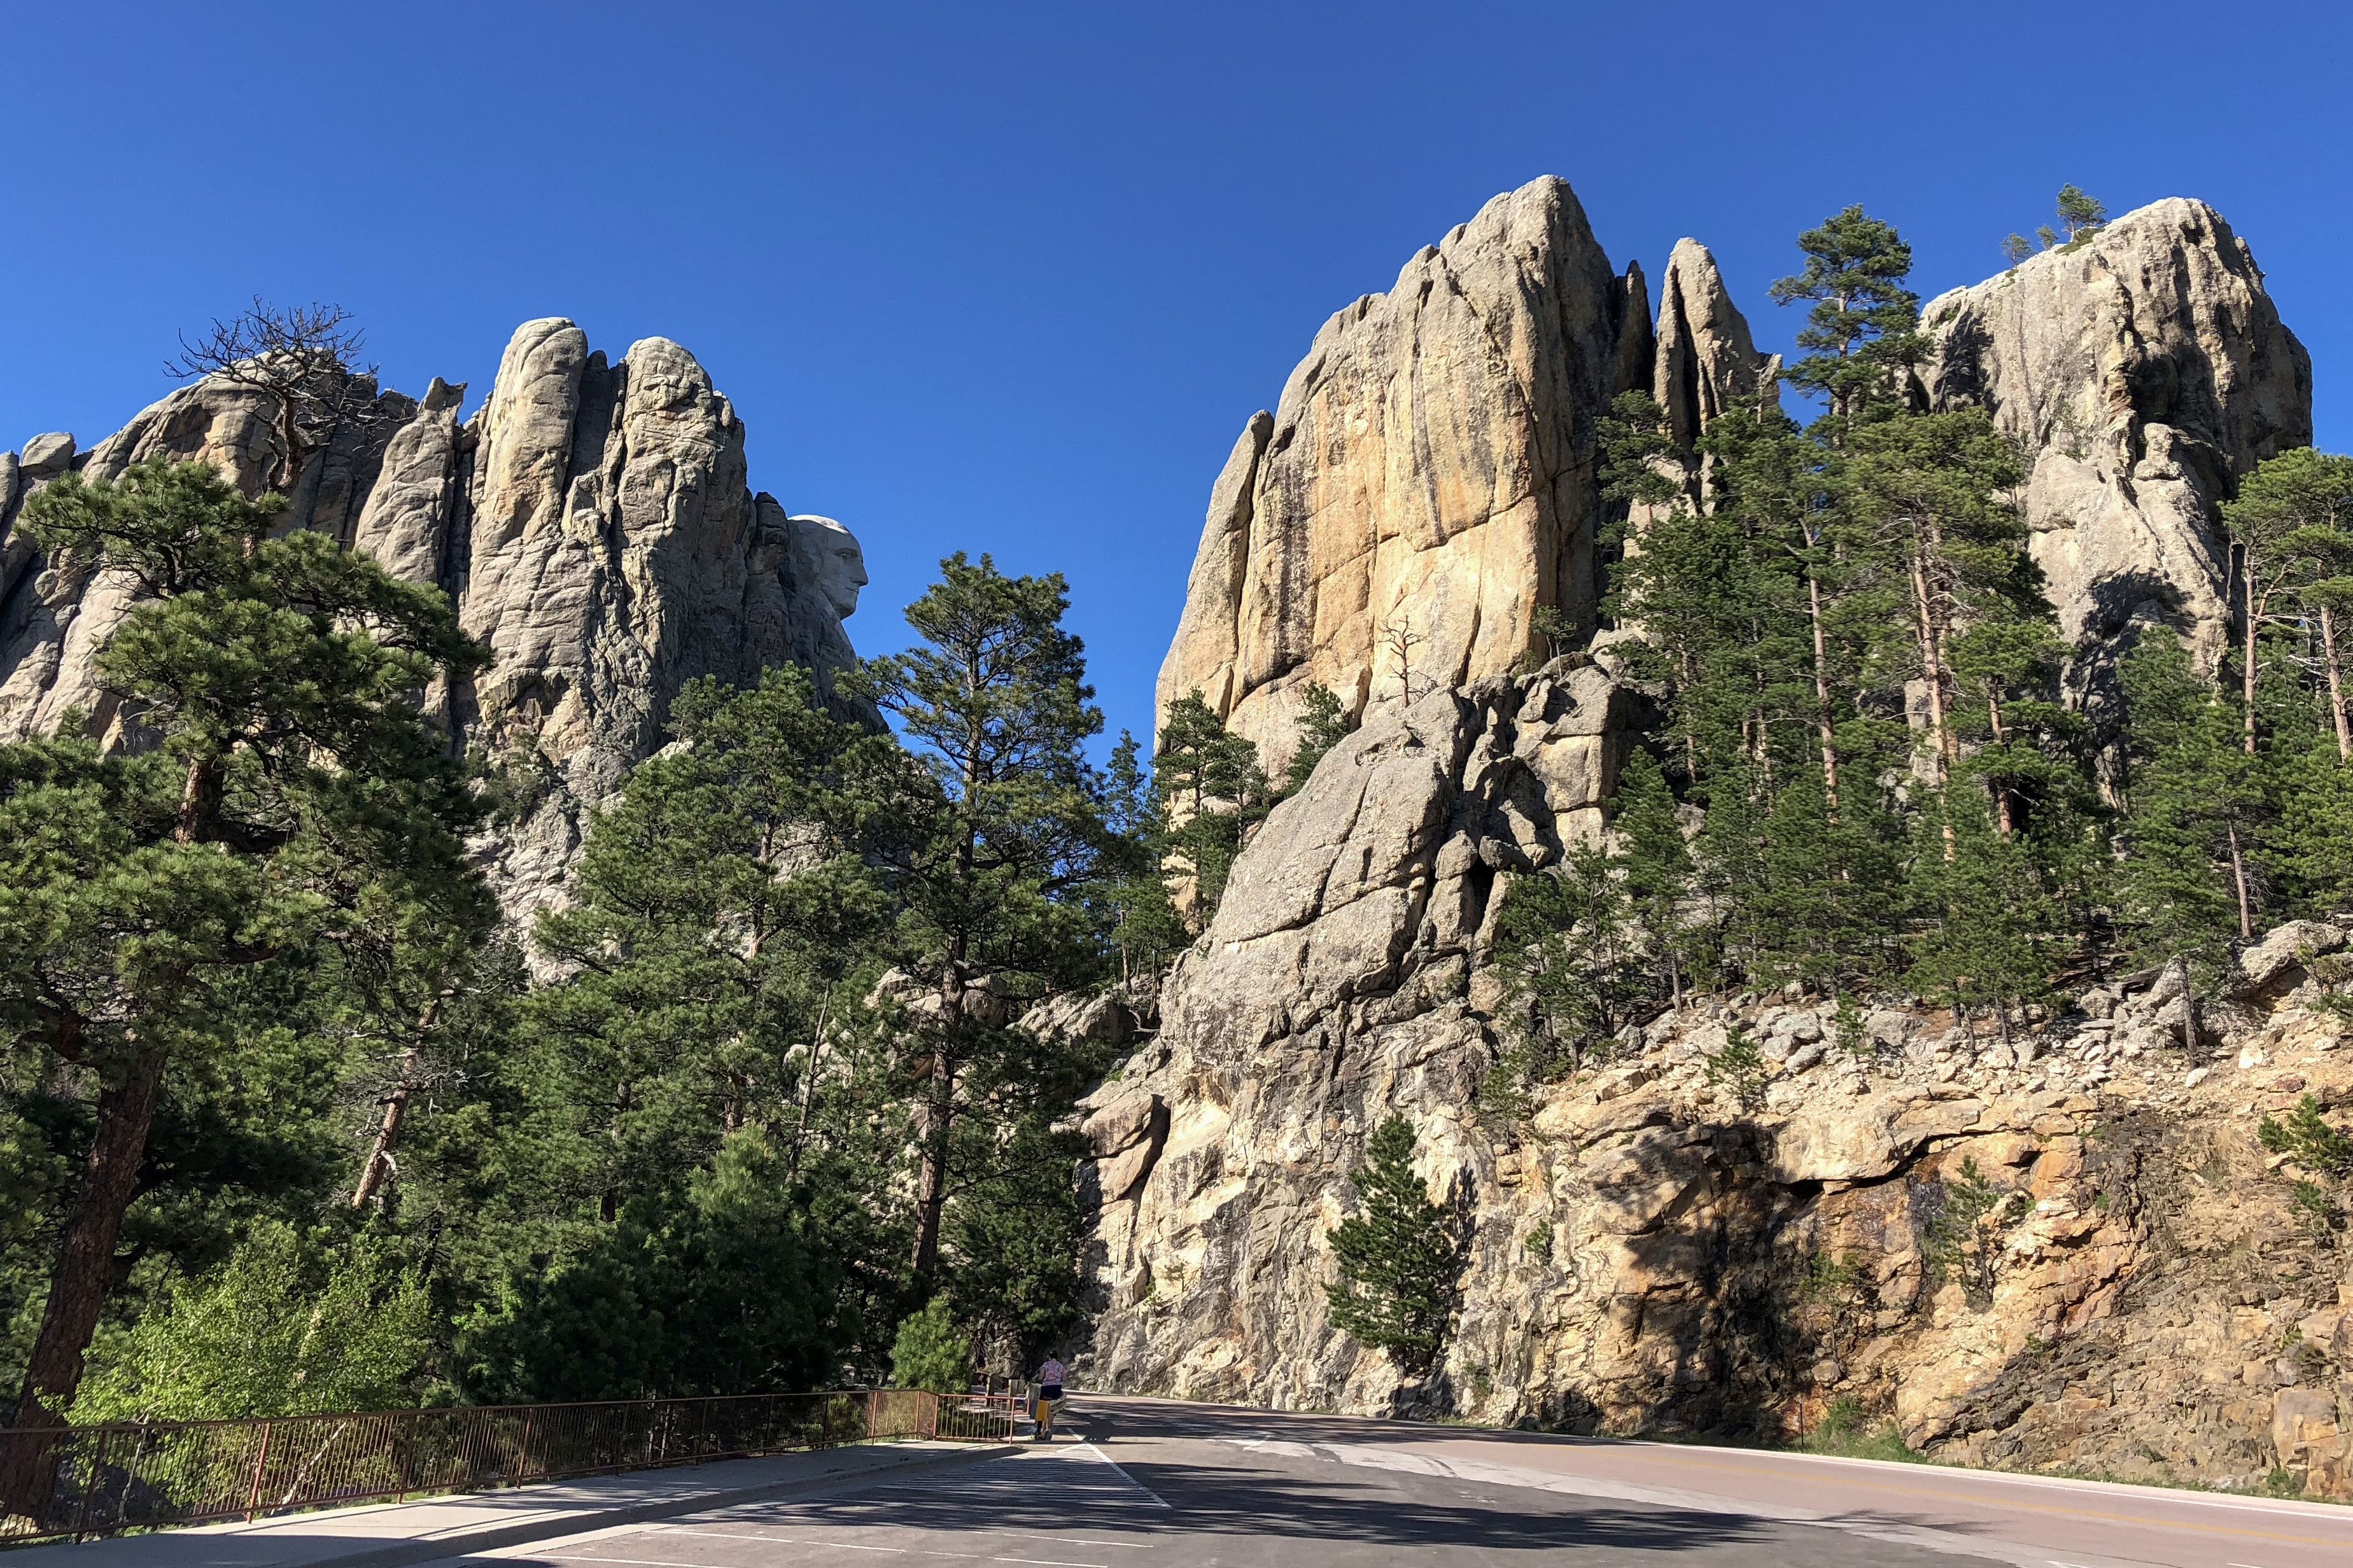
(1152,1484)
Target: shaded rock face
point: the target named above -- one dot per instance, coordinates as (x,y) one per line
(2144,370)
(592,523)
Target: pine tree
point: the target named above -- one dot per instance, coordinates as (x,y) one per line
(995,704)
(2082,216)
(291,800)
(2291,523)
(1981,944)
(1323,722)
(931,1353)
(2195,805)
(1144,924)
(1208,793)
(1400,1259)
(1656,866)
(1864,329)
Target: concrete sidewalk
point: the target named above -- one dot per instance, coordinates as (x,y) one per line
(384,1535)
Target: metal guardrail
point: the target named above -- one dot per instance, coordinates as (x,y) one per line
(76,1482)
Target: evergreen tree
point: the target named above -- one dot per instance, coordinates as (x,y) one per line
(1864,329)
(1980,945)
(1208,793)
(1400,1259)
(1144,924)
(2082,216)
(2195,805)
(293,800)
(1323,722)
(995,704)
(1657,871)
(2291,523)
(931,1353)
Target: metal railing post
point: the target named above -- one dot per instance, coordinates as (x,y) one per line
(260,1464)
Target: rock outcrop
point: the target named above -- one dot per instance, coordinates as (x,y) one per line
(1653,1247)
(1649,1247)
(592,523)
(2145,370)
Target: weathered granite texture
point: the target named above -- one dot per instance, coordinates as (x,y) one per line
(592,521)
(1425,482)
(2145,370)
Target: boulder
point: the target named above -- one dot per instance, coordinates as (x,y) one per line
(47,455)
(2277,961)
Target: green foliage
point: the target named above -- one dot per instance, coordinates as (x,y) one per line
(285,1327)
(1006,884)
(1210,794)
(1017,1238)
(2083,216)
(1845,1431)
(1400,1258)
(1737,1065)
(2195,807)
(931,1353)
(2307,1138)
(1145,923)
(2316,1211)
(1963,1236)
(2016,248)
(1864,327)
(291,820)
(1323,722)
(711,1291)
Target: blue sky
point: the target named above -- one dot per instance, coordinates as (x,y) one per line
(1011,276)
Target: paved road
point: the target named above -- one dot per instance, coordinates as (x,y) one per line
(1161,1485)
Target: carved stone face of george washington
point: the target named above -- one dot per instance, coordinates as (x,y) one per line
(832,560)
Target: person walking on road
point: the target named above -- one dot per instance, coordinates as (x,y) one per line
(1049,1397)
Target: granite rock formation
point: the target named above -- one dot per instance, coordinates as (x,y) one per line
(592,523)
(2145,370)
(1648,1248)
(1425,482)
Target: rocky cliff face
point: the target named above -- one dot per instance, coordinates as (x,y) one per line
(2145,370)
(1650,1248)
(592,521)
(1425,482)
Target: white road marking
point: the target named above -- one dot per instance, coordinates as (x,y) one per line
(1157,1500)
(839,1545)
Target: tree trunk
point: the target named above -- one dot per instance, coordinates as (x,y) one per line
(380,1161)
(934,1117)
(85,1273)
(2239,881)
(2000,738)
(1823,696)
(200,801)
(2247,676)
(1932,672)
(2336,684)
